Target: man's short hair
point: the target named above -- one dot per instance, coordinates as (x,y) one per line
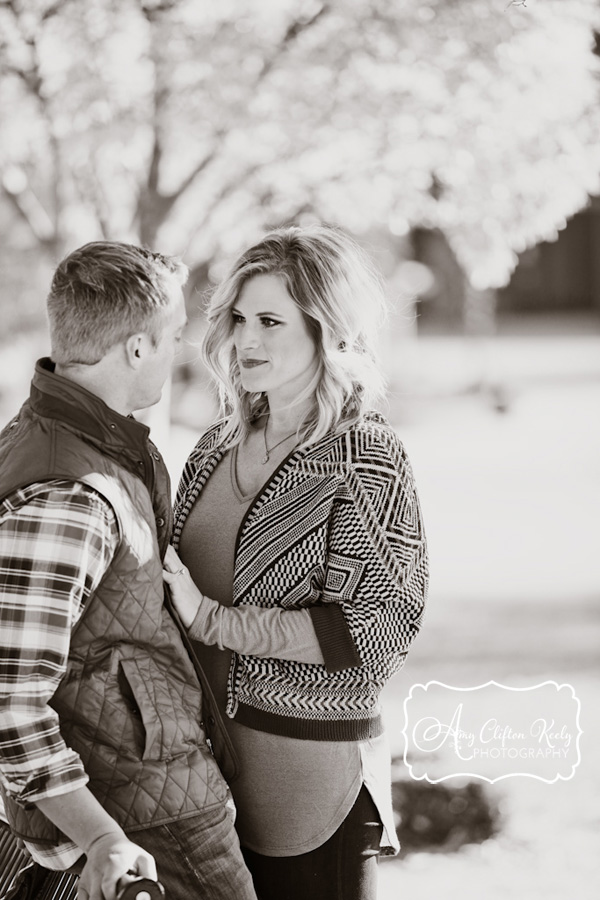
(103,293)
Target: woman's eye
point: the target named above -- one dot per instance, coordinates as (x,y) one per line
(269,323)
(237,318)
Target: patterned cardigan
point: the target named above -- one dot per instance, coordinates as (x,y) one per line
(336,529)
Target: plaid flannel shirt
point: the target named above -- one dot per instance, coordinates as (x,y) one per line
(57,539)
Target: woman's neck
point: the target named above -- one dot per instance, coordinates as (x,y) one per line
(285,419)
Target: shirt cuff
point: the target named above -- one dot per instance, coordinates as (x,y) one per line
(336,642)
(60,776)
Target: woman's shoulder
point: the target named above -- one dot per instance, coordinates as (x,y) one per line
(369,441)
(373,438)
(376,427)
(374,472)
(209,440)
(205,449)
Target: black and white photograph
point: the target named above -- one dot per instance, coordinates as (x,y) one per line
(299,449)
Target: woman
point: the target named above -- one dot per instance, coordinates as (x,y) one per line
(303,565)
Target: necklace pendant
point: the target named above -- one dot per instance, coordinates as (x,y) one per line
(265,459)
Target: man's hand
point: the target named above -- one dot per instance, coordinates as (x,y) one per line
(111,858)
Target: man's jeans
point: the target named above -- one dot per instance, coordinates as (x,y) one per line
(199,858)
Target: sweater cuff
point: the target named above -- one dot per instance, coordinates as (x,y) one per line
(337,646)
(207,625)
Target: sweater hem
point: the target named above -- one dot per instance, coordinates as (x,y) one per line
(309,729)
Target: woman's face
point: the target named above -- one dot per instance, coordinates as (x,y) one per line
(275,351)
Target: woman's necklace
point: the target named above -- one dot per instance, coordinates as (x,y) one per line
(269,450)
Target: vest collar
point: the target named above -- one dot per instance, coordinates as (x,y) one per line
(56,397)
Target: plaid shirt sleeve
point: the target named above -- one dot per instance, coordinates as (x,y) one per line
(56,542)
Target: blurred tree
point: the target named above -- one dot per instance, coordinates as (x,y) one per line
(191,126)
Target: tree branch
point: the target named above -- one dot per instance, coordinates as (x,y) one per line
(26,201)
(150,11)
(294,30)
(53,9)
(292,33)
(197,170)
(154,206)
(226,191)
(29,208)
(90,192)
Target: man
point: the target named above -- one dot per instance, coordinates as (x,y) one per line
(100,731)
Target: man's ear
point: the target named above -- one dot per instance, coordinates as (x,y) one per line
(135,349)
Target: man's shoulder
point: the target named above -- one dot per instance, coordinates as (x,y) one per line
(54,514)
(59,494)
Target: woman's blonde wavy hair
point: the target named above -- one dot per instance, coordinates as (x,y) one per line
(341,297)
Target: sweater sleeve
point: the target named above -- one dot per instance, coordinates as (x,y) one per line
(274,633)
(316,635)
(377,564)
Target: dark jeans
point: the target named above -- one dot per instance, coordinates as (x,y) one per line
(343,868)
(199,858)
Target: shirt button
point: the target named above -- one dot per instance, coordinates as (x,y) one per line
(113,426)
(160,522)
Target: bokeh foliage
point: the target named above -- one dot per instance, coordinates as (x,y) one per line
(191,126)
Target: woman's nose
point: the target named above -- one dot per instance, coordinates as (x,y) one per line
(247,337)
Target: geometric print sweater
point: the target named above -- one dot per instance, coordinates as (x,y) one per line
(337,530)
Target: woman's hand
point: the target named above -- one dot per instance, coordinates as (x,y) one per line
(185,594)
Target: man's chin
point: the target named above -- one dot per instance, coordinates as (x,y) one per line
(148,404)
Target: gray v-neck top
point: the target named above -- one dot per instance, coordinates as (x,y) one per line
(291,795)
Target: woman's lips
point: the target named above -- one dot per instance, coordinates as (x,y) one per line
(252,363)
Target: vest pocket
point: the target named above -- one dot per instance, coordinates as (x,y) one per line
(166,706)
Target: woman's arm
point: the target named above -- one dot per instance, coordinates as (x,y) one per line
(274,633)
(377,563)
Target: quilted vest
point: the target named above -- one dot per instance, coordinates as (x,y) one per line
(130,701)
